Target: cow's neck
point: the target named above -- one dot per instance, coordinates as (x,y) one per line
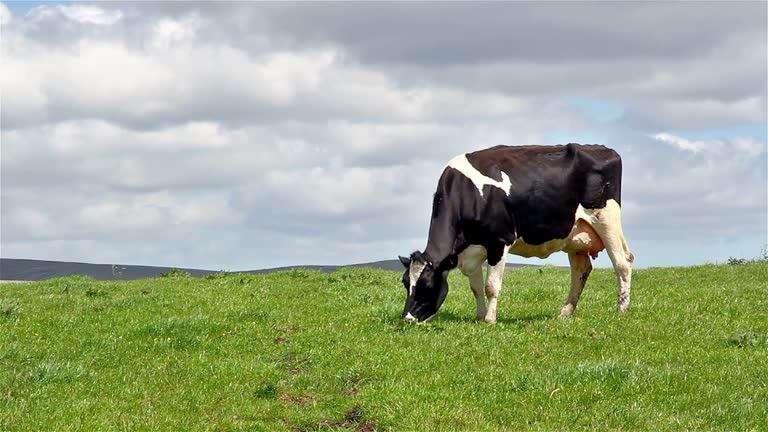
(443,240)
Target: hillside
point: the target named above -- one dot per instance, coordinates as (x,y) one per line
(36,270)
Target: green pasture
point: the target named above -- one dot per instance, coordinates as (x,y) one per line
(303,351)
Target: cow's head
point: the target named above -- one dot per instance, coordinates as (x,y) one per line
(426,286)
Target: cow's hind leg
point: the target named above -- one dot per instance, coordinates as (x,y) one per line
(493,284)
(580,269)
(471,265)
(607,224)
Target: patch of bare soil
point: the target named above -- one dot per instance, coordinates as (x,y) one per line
(297,398)
(353,418)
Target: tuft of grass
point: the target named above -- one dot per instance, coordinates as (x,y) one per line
(748,339)
(9,310)
(744,261)
(93,291)
(175,273)
(302,351)
(266,391)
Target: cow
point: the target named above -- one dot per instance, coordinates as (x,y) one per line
(522,200)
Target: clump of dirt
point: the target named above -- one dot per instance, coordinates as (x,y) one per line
(353,418)
(366,426)
(283,330)
(353,415)
(350,391)
(297,398)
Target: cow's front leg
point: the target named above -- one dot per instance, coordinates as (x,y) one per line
(493,285)
(476,283)
(471,264)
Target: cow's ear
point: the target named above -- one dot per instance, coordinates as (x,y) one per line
(406,261)
(418,257)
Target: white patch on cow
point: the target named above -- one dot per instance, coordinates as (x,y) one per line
(461,163)
(471,264)
(409,317)
(493,283)
(414,272)
(472,259)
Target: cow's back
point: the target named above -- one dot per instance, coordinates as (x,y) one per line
(546,185)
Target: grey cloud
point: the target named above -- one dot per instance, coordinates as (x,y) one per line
(460,33)
(696,77)
(695,114)
(195,141)
(673,193)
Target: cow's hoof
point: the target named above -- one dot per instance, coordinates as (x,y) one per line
(623,308)
(566,311)
(489,320)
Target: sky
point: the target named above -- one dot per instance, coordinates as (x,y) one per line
(234,136)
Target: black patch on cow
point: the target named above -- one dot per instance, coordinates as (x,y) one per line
(584,277)
(436,200)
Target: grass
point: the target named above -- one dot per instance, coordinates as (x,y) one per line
(303,351)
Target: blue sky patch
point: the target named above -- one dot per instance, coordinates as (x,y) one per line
(598,109)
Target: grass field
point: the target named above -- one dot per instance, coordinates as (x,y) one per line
(303,351)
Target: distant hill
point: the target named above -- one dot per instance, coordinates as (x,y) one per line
(35,270)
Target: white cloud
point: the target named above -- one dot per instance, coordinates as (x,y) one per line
(235,130)
(169,32)
(676,188)
(5,14)
(88,14)
(682,143)
(82,14)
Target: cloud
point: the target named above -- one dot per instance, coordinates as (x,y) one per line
(248,135)
(85,14)
(169,32)
(679,189)
(692,114)
(681,143)
(5,14)
(460,33)
(81,14)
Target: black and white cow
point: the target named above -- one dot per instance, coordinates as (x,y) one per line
(523,200)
